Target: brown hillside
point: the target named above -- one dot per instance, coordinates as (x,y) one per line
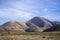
(14,26)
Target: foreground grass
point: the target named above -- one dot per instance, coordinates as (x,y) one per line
(31,36)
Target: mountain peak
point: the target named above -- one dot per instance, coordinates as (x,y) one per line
(40,22)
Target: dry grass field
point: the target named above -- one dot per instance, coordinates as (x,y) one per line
(31,36)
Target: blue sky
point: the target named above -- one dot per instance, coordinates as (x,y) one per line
(24,10)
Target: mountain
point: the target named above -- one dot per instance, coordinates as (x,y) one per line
(14,26)
(36,24)
(57,27)
(55,23)
(39,24)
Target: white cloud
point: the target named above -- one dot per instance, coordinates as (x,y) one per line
(17,9)
(15,13)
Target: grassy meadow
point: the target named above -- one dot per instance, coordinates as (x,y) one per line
(30,36)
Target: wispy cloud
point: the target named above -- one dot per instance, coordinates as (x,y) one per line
(26,9)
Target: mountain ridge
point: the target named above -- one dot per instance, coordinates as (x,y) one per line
(36,24)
